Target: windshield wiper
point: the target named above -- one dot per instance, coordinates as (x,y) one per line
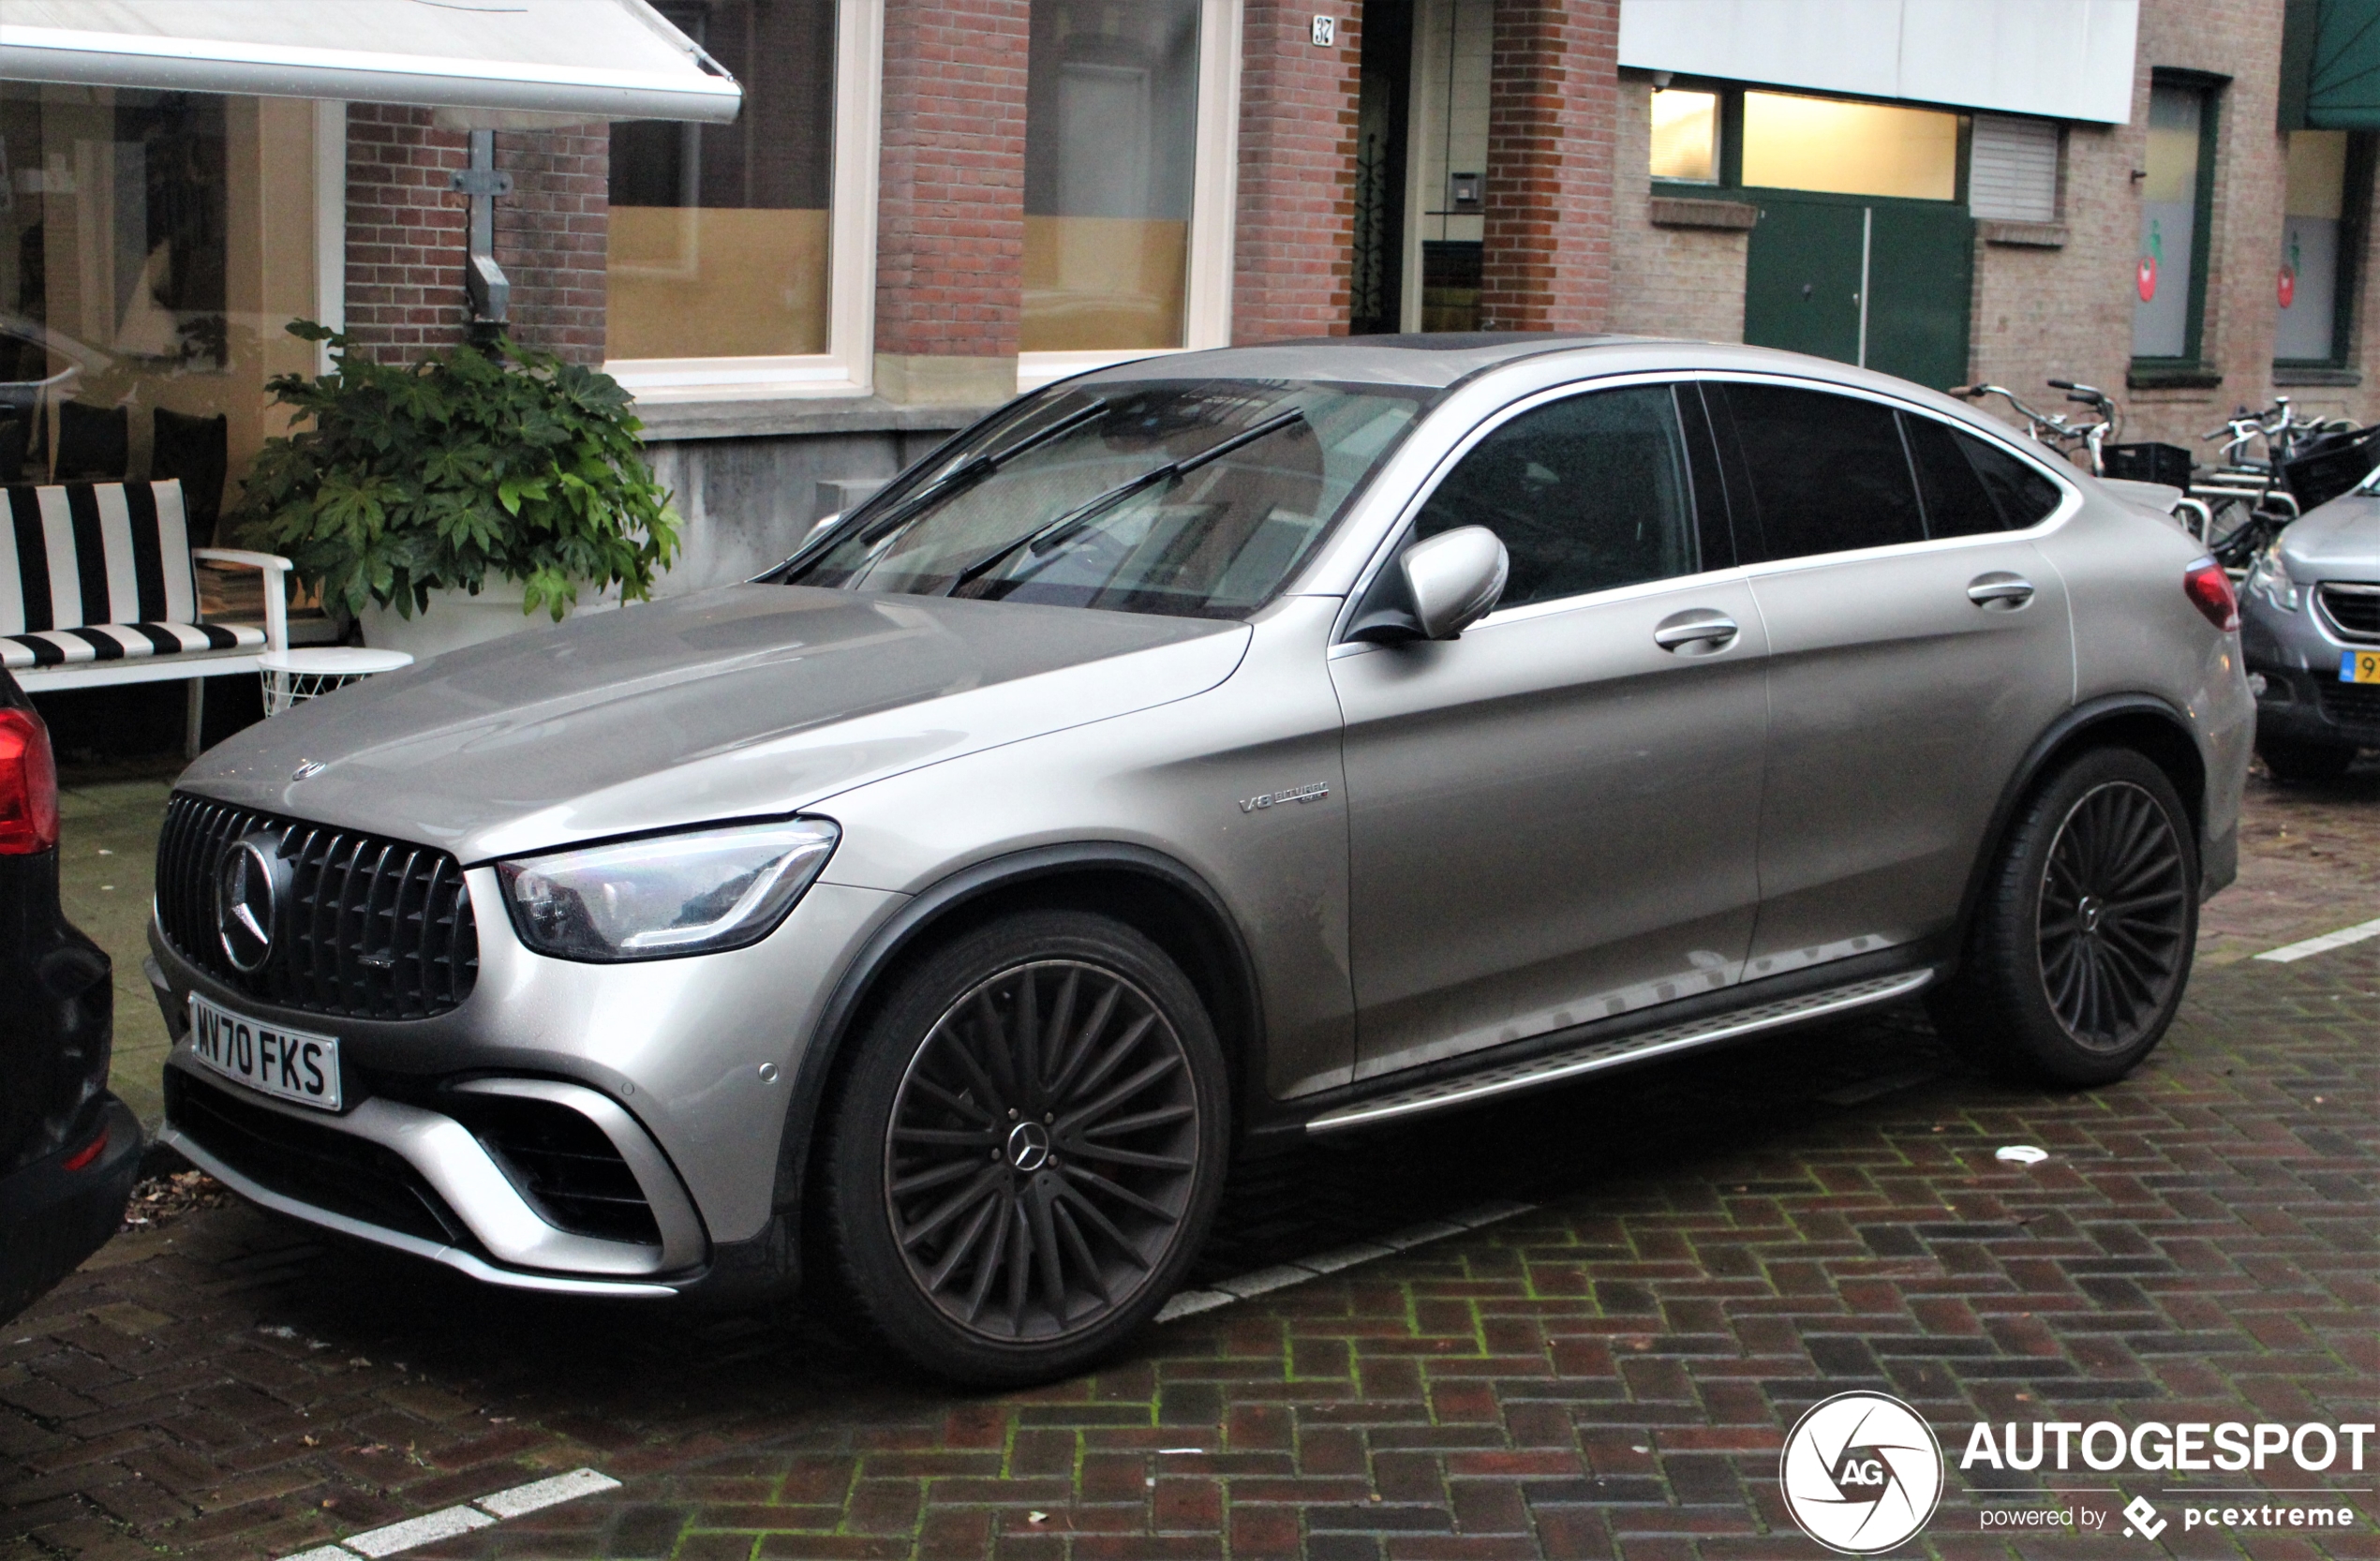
(974,469)
(1042,539)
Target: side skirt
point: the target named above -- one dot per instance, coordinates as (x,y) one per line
(1593,1056)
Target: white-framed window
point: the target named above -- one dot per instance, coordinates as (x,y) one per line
(742,258)
(1131,154)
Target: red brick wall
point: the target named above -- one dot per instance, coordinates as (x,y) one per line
(405,233)
(951,230)
(550,234)
(1551,109)
(1293,253)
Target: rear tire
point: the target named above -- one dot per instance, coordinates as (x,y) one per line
(2297,761)
(2082,944)
(1028,1151)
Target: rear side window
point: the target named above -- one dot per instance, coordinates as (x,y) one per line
(1972,486)
(2025,496)
(1827,472)
(1586,494)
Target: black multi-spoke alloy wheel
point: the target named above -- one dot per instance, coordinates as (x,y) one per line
(2082,943)
(1028,1149)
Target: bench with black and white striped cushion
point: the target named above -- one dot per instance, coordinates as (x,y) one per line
(101,571)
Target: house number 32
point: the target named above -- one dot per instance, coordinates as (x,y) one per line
(1326,31)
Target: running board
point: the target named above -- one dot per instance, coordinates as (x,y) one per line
(1539,1072)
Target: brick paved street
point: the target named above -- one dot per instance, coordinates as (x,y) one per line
(1718,1244)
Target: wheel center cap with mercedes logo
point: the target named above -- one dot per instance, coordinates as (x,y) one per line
(247,900)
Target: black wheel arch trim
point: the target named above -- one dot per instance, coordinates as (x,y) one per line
(930,907)
(2057,736)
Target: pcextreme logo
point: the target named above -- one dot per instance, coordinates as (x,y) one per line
(1861,1472)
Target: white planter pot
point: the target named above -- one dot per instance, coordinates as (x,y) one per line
(456,619)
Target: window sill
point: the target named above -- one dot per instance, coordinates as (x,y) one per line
(2022,235)
(747,417)
(2315,374)
(1670,211)
(2171,376)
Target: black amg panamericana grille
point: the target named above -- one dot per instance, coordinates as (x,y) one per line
(2353,610)
(371,929)
(2351,703)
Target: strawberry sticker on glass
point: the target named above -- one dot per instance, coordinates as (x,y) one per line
(2289,276)
(2149,261)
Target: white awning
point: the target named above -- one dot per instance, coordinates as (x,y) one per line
(583,59)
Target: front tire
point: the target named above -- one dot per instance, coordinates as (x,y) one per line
(2082,944)
(1028,1151)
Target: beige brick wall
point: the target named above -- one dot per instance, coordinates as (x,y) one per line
(1665,281)
(2064,312)
(2068,312)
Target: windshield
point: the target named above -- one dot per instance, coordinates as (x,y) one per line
(1191,497)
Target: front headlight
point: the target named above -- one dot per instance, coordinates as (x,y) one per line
(695,893)
(2269,577)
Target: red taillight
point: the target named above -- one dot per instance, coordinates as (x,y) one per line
(2209,590)
(28,785)
(87,1153)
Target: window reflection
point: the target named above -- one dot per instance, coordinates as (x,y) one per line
(718,239)
(1686,136)
(1110,134)
(1816,144)
(152,247)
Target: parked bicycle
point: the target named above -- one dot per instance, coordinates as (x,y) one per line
(2094,441)
(2248,498)
(2065,432)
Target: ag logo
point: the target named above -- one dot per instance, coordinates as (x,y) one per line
(1861,1472)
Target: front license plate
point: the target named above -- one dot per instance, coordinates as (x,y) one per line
(2359,666)
(287,1063)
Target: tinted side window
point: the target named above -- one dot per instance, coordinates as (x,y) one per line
(1586,494)
(1956,502)
(1828,473)
(1971,484)
(2024,496)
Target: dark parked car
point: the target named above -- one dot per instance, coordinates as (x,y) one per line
(69,1149)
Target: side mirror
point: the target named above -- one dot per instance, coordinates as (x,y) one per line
(1453,579)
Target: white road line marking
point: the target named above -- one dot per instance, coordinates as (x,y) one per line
(540,1493)
(2323,945)
(442,1525)
(446,1522)
(1188,1303)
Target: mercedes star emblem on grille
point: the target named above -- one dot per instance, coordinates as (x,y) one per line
(247,900)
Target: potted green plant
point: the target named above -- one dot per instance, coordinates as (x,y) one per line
(404,493)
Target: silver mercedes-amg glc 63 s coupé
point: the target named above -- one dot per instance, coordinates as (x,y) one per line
(1268,742)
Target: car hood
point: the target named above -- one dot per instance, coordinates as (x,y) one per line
(2337,540)
(737,703)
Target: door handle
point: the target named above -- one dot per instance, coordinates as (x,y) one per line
(1696,632)
(1999,591)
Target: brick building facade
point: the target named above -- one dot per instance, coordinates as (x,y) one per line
(927,205)
(1573,230)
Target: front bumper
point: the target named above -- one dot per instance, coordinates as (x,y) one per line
(584,1129)
(2297,657)
(2312,705)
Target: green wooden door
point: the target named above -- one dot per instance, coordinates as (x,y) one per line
(1921,262)
(1812,256)
(1801,278)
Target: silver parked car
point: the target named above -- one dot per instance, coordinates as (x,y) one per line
(1268,742)
(2309,629)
